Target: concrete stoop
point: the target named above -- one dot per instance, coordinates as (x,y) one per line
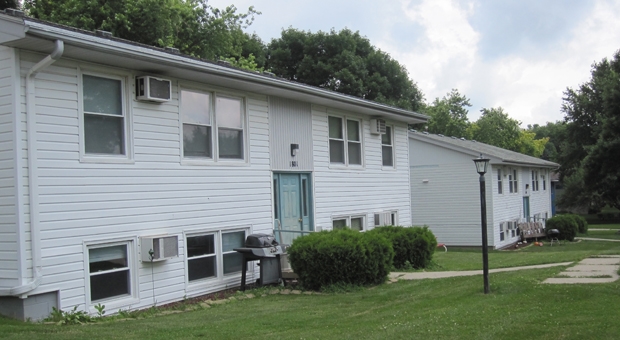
(590,270)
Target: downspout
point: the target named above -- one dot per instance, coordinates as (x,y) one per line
(33,200)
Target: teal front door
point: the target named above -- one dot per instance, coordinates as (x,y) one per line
(526,208)
(292,206)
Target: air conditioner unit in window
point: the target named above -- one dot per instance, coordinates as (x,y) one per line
(377,126)
(159,248)
(153,89)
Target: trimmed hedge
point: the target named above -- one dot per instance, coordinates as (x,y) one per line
(565,224)
(582,224)
(413,246)
(340,257)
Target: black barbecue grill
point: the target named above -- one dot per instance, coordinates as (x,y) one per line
(553,235)
(267,251)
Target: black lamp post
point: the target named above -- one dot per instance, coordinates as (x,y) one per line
(481,168)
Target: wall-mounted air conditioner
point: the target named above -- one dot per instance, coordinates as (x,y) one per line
(158,248)
(377,126)
(153,89)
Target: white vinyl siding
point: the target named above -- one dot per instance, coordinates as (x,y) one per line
(9,262)
(154,195)
(445,194)
(363,191)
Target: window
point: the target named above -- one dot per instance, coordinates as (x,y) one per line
(109,271)
(212,255)
(387,149)
(196,116)
(104,115)
(232,259)
(345,142)
(353,222)
(544,182)
(501,231)
(386,218)
(212,129)
(535,180)
(513,184)
(499,181)
(201,257)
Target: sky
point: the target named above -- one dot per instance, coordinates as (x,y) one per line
(517,54)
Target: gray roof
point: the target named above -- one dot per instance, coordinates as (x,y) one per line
(474,148)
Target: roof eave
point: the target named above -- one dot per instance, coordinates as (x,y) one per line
(96,43)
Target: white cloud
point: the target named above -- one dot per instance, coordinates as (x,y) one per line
(442,49)
(446,50)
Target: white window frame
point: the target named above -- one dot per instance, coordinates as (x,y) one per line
(381,217)
(535,182)
(115,301)
(348,219)
(500,182)
(544,181)
(391,145)
(346,142)
(513,181)
(205,283)
(126,84)
(502,229)
(215,154)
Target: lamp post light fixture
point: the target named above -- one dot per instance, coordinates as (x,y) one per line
(481,168)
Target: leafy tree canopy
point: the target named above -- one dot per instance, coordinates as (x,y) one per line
(344,62)
(448,116)
(556,133)
(4,4)
(192,26)
(590,164)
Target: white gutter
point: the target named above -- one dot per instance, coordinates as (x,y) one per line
(31,120)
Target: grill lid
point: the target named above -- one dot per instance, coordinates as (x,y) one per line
(260,241)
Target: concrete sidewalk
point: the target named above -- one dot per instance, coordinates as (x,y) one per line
(590,270)
(439,275)
(595,239)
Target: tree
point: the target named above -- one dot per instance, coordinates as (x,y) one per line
(590,166)
(192,26)
(344,62)
(4,4)
(495,127)
(556,132)
(448,116)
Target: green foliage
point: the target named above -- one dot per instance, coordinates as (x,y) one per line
(72,317)
(582,224)
(565,224)
(344,62)
(495,127)
(592,113)
(4,4)
(100,309)
(413,246)
(343,256)
(192,26)
(556,134)
(448,116)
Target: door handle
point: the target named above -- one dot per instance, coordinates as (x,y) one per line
(300,220)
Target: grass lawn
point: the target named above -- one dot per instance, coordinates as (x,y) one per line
(608,234)
(519,307)
(471,258)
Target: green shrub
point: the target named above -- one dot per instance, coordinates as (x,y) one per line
(582,224)
(340,257)
(413,246)
(566,225)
